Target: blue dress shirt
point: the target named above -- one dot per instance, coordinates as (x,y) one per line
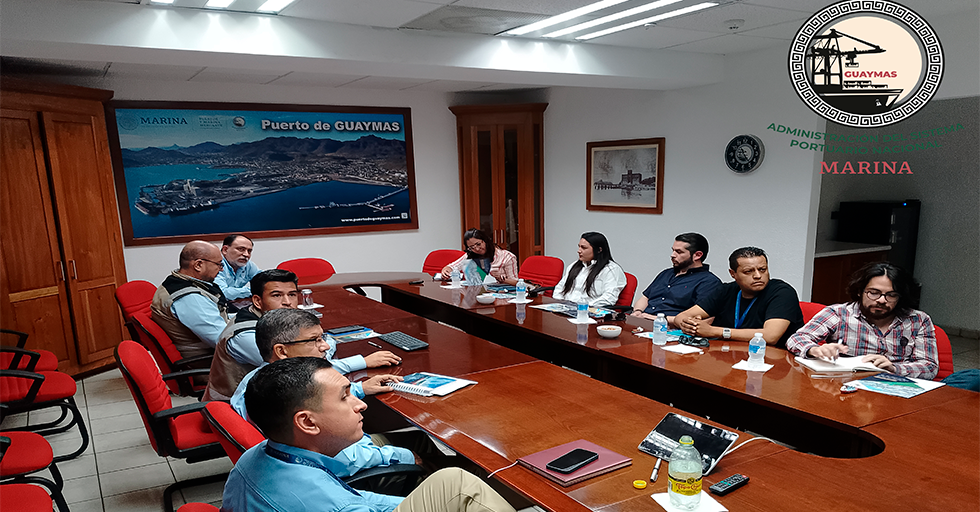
(671,294)
(262,482)
(200,314)
(235,283)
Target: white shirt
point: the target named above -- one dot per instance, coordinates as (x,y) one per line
(605,292)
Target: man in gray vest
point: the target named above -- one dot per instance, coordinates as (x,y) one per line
(188,305)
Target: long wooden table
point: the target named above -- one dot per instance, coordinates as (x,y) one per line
(925,449)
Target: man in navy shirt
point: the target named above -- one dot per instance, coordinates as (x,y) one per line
(681,286)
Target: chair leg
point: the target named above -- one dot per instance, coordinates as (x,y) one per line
(54,490)
(50,427)
(76,419)
(168,498)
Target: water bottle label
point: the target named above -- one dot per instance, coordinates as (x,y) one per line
(755,349)
(687,487)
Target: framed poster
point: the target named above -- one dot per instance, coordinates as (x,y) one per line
(201,170)
(625,176)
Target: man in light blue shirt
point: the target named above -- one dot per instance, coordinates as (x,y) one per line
(234,278)
(290,333)
(308,413)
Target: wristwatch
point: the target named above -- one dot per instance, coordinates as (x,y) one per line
(726,333)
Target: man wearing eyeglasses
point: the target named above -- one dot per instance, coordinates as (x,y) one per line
(881,325)
(188,305)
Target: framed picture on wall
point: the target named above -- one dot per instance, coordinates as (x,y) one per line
(625,175)
(187,170)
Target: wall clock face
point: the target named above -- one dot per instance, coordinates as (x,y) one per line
(744,153)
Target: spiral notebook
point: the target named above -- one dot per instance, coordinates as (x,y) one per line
(428,384)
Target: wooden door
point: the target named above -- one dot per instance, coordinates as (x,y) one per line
(85,203)
(34,296)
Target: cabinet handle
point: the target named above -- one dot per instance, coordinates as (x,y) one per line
(74,271)
(61,268)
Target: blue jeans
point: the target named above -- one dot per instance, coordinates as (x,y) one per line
(966,379)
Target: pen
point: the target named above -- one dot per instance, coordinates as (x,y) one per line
(656,468)
(375,345)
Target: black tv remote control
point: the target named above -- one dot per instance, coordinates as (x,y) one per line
(729,484)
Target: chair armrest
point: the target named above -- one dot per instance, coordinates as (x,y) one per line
(187,361)
(178,411)
(19,353)
(186,373)
(378,471)
(21,336)
(21,374)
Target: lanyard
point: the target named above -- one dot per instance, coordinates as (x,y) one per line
(295,459)
(738,299)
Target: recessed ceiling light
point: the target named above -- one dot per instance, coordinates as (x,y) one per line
(645,21)
(161,1)
(554,20)
(219,4)
(274,5)
(612,17)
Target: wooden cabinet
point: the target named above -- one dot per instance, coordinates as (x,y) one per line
(501,166)
(61,257)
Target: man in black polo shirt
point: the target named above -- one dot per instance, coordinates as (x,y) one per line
(678,288)
(752,303)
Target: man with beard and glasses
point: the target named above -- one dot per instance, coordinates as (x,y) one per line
(881,325)
(679,287)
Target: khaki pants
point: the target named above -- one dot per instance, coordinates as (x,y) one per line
(454,490)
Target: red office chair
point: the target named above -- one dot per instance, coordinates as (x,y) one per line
(198,507)
(543,270)
(27,498)
(132,297)
(309,270)
(235,433)
(179,432)
(810,309)
(168,358)
(944,350)
(22,391)
(626,296)
(438,259)
(18,357)
(22,454)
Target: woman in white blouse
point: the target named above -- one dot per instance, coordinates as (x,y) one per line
(595,278)
(497,262)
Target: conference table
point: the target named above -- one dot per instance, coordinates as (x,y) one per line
(859,451)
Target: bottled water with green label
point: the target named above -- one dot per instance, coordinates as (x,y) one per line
(684,473)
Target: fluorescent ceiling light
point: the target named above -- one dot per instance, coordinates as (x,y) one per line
(274,5)
(219,4)
(161,1)
(652,19)
(612,17)
(554,20)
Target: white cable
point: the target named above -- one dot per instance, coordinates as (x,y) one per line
(501,469)
(730,450)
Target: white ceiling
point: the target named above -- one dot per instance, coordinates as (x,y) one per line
(452,37)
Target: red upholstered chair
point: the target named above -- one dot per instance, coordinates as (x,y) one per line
(26,498)
(945,352)
(543,270)
(235,433)
(438,259)
(309,270)
(626,296)
(18,357)
(810,309)
(168,358)
(22,454)
(22,391)
(179,432)
(132,297)
(198,507)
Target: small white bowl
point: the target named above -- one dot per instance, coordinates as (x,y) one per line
(609,331)
(485,298)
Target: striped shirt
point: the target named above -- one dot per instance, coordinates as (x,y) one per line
(909,342)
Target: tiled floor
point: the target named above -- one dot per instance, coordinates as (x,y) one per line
(966,353)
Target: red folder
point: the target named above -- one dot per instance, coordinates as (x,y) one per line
(608,461)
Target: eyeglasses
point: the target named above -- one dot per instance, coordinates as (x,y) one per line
(479,243)
(876,294)
(319,339)
(220,264)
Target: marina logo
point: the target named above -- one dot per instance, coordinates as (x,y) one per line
(127,121)
(238,122)
(866,63)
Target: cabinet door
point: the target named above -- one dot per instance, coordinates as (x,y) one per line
(34,296)
(86,210)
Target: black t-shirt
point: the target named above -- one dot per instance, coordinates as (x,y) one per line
(777,300)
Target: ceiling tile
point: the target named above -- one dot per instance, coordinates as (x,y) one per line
(153,71)
(374,13)
(728,44)
(653,37)
(382,82)
(240,76)
(713,20)
(450,86)
(304,78)
(785,31)
(548,7)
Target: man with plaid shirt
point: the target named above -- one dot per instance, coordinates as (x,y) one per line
(881,325)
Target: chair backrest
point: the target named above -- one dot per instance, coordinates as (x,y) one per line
(438,259)
(544,270)
(235,433)
(309,270)
(135,296)
(155,339)
(944,350)
(626,296)
(146,385)
(810,309)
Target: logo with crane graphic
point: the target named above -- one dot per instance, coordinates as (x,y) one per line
(866,63)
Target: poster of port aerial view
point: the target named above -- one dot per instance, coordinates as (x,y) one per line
(185,173)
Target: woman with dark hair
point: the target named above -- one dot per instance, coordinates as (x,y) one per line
(499,263)
(595,278)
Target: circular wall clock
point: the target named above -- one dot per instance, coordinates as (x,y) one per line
(744,153)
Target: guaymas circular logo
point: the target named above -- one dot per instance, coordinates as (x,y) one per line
(866,63)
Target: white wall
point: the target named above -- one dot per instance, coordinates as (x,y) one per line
(769,208)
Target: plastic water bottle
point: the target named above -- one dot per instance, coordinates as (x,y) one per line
(521,290)
(684,474)
(660,330)
(757,350)
(455,279)
(583,312)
